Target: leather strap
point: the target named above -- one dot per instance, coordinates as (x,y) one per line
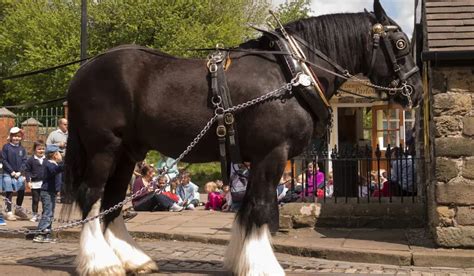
(225,131)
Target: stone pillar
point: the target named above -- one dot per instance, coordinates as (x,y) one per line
(452,219)
(66,109)
(7,121)
(31,133)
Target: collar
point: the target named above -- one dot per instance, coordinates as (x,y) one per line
(38,158)
(59,130)
(54,162)
(17,145)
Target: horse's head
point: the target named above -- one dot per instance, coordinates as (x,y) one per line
(390,62)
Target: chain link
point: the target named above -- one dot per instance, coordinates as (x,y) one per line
(286,88)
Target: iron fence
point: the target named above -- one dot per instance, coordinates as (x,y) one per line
(38,123)
(356,172)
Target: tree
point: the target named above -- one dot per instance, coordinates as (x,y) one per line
(294,10)
(41,34)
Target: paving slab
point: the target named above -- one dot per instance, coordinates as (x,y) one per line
(381,246)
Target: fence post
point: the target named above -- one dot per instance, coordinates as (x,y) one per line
(7,121)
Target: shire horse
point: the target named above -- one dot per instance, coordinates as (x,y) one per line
(131,100)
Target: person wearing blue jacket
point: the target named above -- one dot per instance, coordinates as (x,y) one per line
(53,168)
(13,161)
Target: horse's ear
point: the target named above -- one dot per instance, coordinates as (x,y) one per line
(380,13)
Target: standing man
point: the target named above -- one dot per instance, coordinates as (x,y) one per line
(59,138)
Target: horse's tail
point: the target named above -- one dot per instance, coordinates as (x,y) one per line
(74,171)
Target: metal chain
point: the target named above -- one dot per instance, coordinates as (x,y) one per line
(346,75)
(70,224)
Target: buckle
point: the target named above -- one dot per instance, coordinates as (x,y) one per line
(221,131)
(229,118)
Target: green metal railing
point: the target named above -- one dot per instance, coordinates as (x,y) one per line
(38,123)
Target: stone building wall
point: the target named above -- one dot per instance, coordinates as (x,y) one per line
(452,185)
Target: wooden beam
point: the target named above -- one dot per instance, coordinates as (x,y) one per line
(450,3)
(445,29)
(452,35)
(460,42)
(450,10)
(450,16)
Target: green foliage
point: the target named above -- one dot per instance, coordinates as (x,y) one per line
(37,34)
(294,10)
(40,34)
(205,172)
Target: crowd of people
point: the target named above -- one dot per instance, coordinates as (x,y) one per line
(41,173)
(163,187)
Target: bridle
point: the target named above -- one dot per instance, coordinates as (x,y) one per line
(396,48)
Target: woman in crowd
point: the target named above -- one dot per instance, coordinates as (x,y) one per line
(149,200)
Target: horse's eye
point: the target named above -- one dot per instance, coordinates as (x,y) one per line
(401,44)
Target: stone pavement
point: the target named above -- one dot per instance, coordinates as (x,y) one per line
(185,258)
(400,247)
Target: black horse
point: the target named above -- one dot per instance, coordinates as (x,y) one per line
(131,100)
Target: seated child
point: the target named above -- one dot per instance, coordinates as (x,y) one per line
(227,198)
(214,198)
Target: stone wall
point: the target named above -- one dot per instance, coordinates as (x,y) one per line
(452,214)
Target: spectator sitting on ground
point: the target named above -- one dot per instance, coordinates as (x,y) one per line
(284,186)
(187,192)
(220,185)
(227,198)
(172,170)
(239,177)
(164,188)
(149,200)
(314,177)
(214,198)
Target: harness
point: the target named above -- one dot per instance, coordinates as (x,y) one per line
(309,90)
(221,100)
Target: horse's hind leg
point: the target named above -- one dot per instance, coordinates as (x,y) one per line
(95,256)
(133,258)
(250,251)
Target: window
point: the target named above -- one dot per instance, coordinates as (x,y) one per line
(387,122)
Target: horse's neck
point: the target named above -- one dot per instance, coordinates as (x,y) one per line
(349,49)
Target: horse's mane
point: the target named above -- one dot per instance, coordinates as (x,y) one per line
(342,37)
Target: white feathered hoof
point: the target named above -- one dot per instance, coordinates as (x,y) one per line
(251,255)
(132,256)
(146,268)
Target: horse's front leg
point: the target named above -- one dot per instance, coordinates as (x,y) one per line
(250,251)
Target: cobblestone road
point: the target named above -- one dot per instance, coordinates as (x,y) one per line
(181,257)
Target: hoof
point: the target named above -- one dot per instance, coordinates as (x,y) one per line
(147,267)
(104,271)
